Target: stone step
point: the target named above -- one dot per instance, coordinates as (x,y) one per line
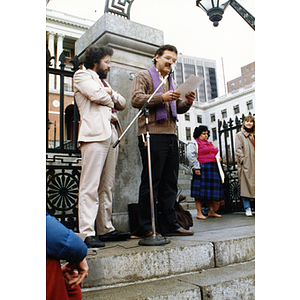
(184,185)
(229,282)
(216,243)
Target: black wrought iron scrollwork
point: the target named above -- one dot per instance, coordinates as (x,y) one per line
(48,58)
(62,191)
(235,190)
(62,59)
(76,63)
(231,186)
(62,194)
(243,13)
(119,7)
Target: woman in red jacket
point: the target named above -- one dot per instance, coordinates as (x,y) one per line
(206,183)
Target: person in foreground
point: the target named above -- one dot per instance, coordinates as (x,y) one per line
(206,182)
(245,156)
(163,110)
(64,282)
(99,129)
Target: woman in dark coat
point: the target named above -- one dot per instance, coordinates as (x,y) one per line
(206,182)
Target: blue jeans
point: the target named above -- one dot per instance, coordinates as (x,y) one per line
(246,202)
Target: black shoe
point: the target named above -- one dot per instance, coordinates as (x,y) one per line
(93,242)
(115,235)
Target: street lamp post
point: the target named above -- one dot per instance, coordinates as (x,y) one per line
(215,10)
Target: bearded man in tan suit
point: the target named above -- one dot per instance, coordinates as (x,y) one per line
(99,129)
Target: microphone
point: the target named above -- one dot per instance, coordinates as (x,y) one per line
(173,68)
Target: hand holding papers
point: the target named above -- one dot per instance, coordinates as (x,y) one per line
(220,167)
(190,85)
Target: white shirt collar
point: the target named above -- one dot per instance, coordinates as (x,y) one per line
(160,76)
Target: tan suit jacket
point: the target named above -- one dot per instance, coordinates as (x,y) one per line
(95,107)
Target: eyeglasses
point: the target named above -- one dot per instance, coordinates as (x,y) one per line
(108,62)
(168,58)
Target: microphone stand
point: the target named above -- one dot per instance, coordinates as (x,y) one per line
(153,240)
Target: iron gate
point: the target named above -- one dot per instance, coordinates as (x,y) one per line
(232,190)
(63,157)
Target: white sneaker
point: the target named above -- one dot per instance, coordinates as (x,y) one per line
(248,212)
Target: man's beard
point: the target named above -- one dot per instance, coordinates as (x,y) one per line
(102,74)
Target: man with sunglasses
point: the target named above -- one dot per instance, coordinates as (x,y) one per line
(163,110)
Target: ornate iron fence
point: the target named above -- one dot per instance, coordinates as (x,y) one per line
(231,186)
(59,76)
(63,157)
(63,174)
(182,154)
(232,190)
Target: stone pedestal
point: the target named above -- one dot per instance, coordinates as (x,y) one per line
(134,47)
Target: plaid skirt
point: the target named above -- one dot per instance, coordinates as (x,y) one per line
(208,185)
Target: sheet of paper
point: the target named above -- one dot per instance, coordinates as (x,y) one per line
(222,175)
(190,85)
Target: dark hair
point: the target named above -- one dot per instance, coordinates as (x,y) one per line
(160,51)
(198,131)
(94,54)
(251,119)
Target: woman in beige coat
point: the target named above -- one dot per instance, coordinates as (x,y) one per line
(245,156)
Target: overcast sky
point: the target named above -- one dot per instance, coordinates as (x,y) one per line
(188,28)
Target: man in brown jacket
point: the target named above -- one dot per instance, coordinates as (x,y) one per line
(163,109)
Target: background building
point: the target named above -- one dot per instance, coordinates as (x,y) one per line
(206,68)
(248,76)
(208,107)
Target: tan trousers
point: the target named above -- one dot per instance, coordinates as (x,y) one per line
(97,179)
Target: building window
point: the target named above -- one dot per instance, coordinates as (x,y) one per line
(201,89)
(245,79)
(214,134)
(179,76)
(236,109)
(187,117)
(188,133)
(253,76)
(212,84)
(67,53)
(224,113)
(212,117)
(199,118)
(249,104)
(233,84)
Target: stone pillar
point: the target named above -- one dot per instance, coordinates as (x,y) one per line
(59,50)
(134,46)
(51,36)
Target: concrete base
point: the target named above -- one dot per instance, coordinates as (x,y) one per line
(119,265)
(231,282)
(217,262)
